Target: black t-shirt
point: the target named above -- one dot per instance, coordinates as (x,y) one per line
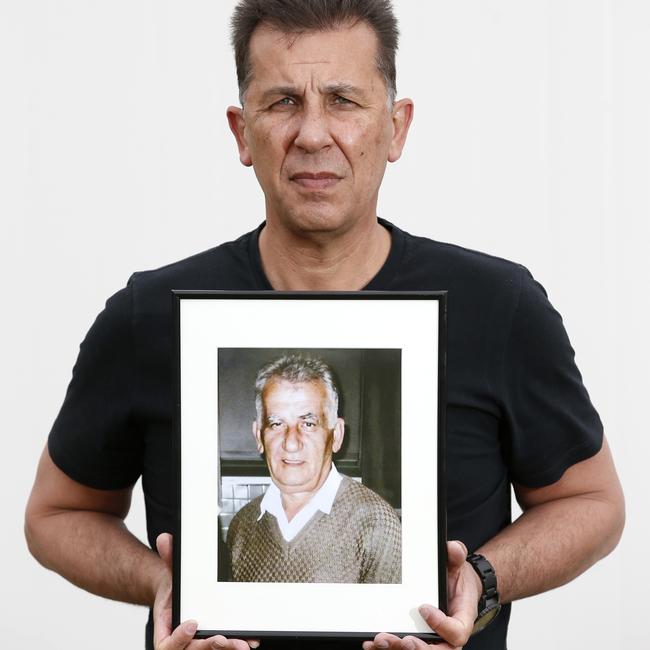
(517,408)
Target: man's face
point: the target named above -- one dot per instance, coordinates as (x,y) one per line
(317,128)
(295,436)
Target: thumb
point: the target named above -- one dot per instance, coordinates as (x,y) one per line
(181,637)
(456,553)
(164,545)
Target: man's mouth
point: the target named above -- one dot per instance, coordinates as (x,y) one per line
(315,181)
(292,463)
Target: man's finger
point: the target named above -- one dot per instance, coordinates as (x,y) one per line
(181,637)
(383,641)
(456,553)
(455,631)
(413,643)
(164,546)
(390,642)
(221,643)
(162,626)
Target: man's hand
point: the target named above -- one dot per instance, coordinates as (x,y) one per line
(464,590)
(79,532)
(183,636)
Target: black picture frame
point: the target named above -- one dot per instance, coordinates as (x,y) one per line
(399,309)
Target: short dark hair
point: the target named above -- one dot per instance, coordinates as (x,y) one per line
(298,16)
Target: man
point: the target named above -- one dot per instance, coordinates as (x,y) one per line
(337,529)
(318,124)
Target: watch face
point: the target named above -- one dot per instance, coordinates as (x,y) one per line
(485,618)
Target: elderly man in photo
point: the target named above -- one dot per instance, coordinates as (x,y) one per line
(312,524)
(318,122)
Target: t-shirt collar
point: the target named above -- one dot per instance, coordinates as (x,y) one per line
(381,281)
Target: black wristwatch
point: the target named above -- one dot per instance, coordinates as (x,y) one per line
(488,604)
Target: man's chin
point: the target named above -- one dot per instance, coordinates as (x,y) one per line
(322,220)
(294,484)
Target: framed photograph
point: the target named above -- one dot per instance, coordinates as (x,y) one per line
(310,437)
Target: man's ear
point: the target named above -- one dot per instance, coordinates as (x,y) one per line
(237,125)
(258,437)
(402,118)
(339,433)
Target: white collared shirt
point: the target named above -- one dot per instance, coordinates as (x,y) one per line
(322,500)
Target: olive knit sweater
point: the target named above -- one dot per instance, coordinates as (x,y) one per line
(359,541)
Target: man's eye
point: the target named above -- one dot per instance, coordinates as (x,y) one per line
(309,424)
(285,101)
(342,100)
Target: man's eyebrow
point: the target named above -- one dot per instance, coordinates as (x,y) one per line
(337,88)
(288,91)
(342,88)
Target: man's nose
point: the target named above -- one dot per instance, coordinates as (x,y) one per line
(313,129)
(292,441)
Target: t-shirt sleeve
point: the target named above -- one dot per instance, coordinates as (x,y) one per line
(550,420)
(94,439)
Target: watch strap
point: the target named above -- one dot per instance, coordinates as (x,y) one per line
(488,604)
(488,577)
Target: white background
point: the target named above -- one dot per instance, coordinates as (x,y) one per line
(531,141)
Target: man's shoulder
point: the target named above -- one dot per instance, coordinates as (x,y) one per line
(244,518)
(363,501)
(461,263)
(459,255)
(250,512)
(227,266)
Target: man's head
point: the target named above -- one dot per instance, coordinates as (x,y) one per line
(296,17)
(297,425)
(318,123)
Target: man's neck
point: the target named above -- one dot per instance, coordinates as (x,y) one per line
(294,502)
(324,261)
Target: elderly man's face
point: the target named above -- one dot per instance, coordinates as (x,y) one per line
(295,436)
(317,127)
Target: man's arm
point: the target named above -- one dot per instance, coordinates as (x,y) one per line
(79,532)
(565,528)
(383,547)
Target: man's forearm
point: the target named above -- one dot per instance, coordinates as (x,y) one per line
(552,543)
(96,552)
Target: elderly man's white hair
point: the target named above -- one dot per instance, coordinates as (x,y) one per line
(296,369)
